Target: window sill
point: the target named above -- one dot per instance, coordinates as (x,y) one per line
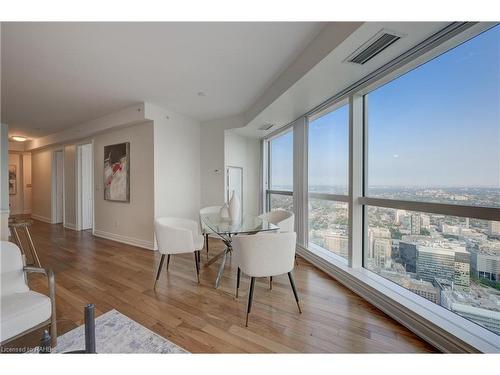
(444,329)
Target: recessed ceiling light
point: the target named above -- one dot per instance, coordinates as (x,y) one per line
(18,138)
(201,93)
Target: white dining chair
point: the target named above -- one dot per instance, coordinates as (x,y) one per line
(209,210)
(284,219)
(178,236)
(264,255)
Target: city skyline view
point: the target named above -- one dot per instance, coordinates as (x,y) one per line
(448,106)
(433,135)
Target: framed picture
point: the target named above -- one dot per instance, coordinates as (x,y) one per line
(117,172)
(12,180)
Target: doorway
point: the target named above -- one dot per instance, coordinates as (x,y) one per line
(85,194)
(58,187)
(235,183)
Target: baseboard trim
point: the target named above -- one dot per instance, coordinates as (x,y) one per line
(427,330)
(125,239)
(27,212)
(70,226)
(41,218)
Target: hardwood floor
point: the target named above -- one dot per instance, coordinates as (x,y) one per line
(202,319)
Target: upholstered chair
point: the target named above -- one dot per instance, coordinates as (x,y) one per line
(22,309)
(265,255)
(177,236)
(284,219)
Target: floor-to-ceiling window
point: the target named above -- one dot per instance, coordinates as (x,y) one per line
(328,177)
(424,171)
(279,192)
(434,137)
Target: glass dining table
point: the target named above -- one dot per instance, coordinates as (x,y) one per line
(226,228)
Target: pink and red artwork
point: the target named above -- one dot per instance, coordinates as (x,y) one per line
(117,172)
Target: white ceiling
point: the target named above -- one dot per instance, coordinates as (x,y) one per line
(333,74)
(57,75)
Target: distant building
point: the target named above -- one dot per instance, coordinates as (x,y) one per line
(407,256)
(382,248)
(337,243)
(415,224)
(482,310)
(450,263)
(486,265)
(422,288)
(425,221)
(450,229)
(494,228)
(374,233)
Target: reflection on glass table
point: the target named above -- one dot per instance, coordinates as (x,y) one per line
(225,228)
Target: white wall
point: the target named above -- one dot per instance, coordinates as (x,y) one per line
(130,222)
(70,186)
(27,183)
(4,182)
(176,163)
(213,159)
(244,152)
(41,177)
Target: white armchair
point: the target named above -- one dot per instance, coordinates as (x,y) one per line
(265,255)
(284,219)
(178,236)
(23,310)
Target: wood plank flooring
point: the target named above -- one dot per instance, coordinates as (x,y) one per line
(202,319)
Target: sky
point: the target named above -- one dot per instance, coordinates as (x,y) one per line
(437,125)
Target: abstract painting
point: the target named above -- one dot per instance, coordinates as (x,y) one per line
(12,180)
(117,172)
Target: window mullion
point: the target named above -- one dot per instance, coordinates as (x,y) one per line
(356,155)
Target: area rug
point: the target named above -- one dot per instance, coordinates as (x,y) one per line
(117,333)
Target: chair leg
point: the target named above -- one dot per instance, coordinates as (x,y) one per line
(250,298)
(206,243)
(159,269)
(238,276)
(292,283)
(270,283)
(197,266)
(168,260)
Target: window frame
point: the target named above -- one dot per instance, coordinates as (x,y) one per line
(453,330)
(268,160)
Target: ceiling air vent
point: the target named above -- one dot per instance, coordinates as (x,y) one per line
(373,47)
(266,127)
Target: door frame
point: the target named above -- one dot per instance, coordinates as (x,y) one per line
(78,190)
(227,185)
(53,189)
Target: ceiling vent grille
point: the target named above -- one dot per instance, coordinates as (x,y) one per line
(266,127)
(373,47)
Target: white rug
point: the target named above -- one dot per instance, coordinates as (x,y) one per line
(117,333)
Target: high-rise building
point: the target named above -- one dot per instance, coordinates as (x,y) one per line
(451,263)
(382,248)
(486,265)
(494,228)
(408,256)
(415,224)
(425,221)
(374,233)
(337,243)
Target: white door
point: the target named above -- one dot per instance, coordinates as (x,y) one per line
(86,186)
(59,186)
(235,183)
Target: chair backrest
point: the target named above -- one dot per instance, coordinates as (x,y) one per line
(12,278)
(265,254)
(175,235)
(282,218)
(210,210)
